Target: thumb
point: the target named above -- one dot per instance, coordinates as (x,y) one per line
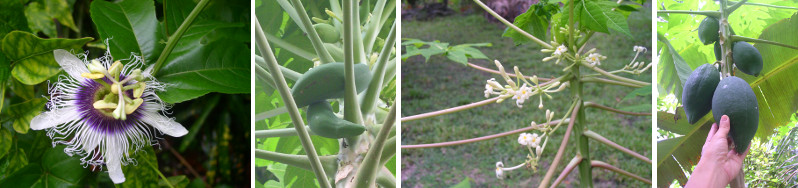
(723,127)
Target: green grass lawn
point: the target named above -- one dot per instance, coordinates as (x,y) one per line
(441,83)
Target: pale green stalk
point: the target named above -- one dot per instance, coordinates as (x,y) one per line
(288,73)
(367,172)
(288,99)
(277,41)
(373,91)
(324,55)
(373,26)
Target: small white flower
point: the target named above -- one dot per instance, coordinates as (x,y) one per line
(534,140)
(538,150)
(499,170)
(594,59)
(105,111)
(524,138)
(522,95)
(491,87)
(560,50)
(639,49)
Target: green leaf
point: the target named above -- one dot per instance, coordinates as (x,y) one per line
(24,112)
(221,66)
(56,170)
(143,172)
(12,17)
(32,57)
(776,87)
(175,11)
(43,15)
(130,27)
(5,141)
(599,16)
(672,70)
(683,151)
(16,160)
(176,181)
(532,23)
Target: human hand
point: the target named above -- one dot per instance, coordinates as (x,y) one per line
(719,164)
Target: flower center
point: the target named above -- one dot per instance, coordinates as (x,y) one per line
(115,95)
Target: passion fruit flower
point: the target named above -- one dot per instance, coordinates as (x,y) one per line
(105,111)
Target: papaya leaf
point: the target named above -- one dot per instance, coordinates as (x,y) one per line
(532,23)
(672,70)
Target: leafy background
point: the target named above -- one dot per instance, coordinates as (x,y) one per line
(679,143)
(206,74)
(442,82)
(276,22)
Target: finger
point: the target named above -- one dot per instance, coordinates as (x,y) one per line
(712,132)
(723,128)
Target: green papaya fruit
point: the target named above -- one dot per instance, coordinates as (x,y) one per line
(327,32)
(327,81)
(747,58)
(323,122)
(735,98)
(698,91)
(708,30)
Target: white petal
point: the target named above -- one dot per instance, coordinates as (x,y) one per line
(113,159)
(164,124)
(90,139)
(71,64)
(53,118)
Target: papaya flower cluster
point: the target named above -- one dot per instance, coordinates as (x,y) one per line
(531,141)
(637,67)
(520,94)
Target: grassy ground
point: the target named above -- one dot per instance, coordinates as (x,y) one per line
(440,84)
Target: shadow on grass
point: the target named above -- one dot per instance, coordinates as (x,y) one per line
(441,83)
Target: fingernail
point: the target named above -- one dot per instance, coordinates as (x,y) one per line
(724,118)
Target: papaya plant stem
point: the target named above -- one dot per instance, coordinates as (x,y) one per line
(449,110)
(563,144)
(271,113)
(567,170)
(608,81)
(505,22)
(715,14)
(288,99)
(385,179)
(612,76)
(172,41)
(388,150)
(352,109)
(375,85)
(299,161)
(360,54)
(604,165)
(289,9)
(374,25)
(735,6)
(607,108)
(264,76)
(581,43)
(597,137)
(735,38)
(483,138)
(571,26)
(277,41)
(288,73)
(271,133)
(366,174)
(324,55)
(585,173)
(766,5)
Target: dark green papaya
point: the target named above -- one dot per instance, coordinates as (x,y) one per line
(708,30)
(327,81)
(747,58)
(323,122)
(735,98)
(698,91)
